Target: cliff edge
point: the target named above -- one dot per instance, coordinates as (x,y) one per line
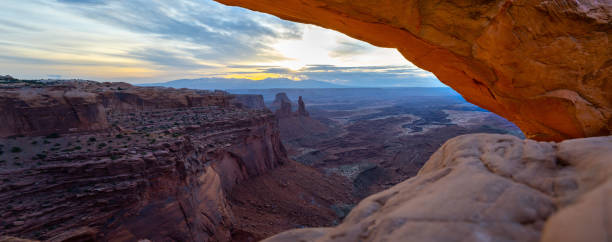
(488,187)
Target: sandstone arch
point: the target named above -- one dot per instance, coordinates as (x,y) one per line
(543,64)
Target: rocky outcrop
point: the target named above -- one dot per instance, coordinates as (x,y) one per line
(282,105)
(302,108)
(487,187)
(248,101)
(280,98)
(42,111)
(298,125)
(81,106)
(544,65)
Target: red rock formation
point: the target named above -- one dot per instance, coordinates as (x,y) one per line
(486,187)
(278,100)
(282,104)
(296,125)
(165,176)
(249,101)
(302,108)
(80,106)
(544,65)
(42,111)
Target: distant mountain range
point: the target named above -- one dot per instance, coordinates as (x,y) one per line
(234,83)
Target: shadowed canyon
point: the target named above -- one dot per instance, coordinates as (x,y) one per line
(522,151)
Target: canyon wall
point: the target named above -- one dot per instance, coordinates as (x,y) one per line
(544,65)
(163,171)
(489,187)
(40,111)
(82,106)
(172,190)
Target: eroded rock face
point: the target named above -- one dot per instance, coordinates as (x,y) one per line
(59,109)
(163,171)
(487,187)
(249,101)
(81,106)
(544,65)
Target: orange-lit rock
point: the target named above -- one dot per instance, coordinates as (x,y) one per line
(544,65)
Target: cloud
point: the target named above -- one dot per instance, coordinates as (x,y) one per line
(356,76)
(349,48)
(196,23)
(161,40)
(83,1)
(163,58)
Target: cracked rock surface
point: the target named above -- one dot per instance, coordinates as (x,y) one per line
(488,187)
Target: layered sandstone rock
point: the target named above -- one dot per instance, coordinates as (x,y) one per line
(81,106)
(57,109)
(487,187)
(131,163)
(544,65)
(167,184)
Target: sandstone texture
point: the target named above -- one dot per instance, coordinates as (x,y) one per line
(128,163)
(489,187)
(38,108)
(544,65)
(42,111)
(165,187)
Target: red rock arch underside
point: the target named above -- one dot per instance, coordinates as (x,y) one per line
(544,65)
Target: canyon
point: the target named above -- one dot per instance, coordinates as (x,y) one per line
(510,57)
(115,162)
(543,65)
(374,138)
(215,166)
(89,161)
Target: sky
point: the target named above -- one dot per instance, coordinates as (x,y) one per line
(148,41)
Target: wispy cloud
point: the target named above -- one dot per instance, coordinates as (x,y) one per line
(161,40)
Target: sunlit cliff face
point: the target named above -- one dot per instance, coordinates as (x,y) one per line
(147,41)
